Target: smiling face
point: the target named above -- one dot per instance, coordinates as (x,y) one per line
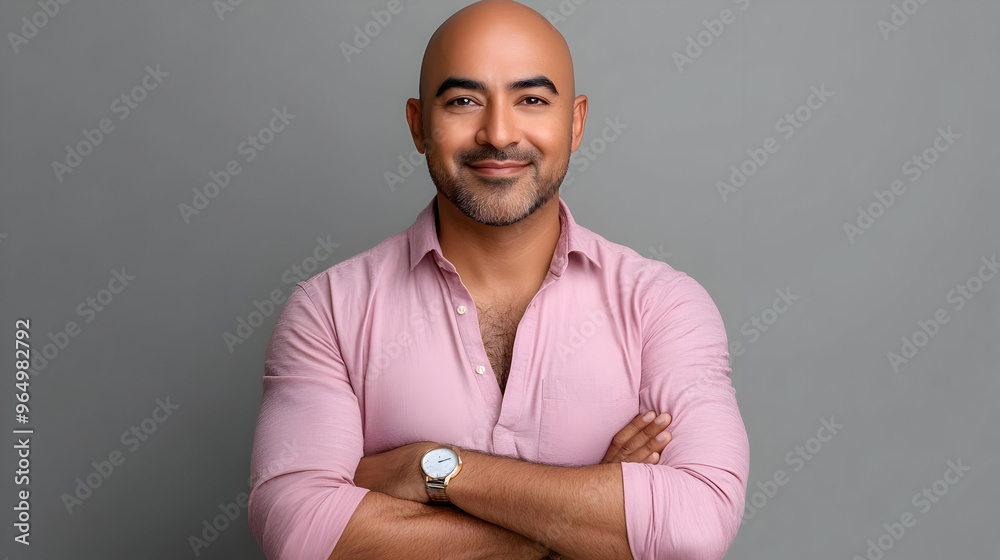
(497,118)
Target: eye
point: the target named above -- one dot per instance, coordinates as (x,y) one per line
(539,100)
(455,102)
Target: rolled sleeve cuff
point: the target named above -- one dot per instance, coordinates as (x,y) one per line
(301,516)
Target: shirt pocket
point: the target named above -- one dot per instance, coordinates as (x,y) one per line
(579,417)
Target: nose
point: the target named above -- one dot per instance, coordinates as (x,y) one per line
(500,126)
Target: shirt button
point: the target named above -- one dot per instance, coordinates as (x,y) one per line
(461,310)
(480,370)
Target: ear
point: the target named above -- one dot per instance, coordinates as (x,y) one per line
(579,120)
(415,120)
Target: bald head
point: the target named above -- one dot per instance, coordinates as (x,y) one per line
(496,38)
(498,116)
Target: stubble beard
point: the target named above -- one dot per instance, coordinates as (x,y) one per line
(496,201)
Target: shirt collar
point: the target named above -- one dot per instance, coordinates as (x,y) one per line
(573,238)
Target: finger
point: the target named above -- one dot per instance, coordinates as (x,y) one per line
(640,445)
(645,442)
(650,447)
(653,459)
(626,434)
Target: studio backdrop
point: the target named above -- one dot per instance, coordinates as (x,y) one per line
(827,170)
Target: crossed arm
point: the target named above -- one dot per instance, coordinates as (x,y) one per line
(508,508)
(687,505)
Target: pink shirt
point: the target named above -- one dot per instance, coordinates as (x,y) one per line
(384,349)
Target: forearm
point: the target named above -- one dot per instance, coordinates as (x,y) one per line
(577,511)
(387,527)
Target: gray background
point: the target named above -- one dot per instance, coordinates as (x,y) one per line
(652,189)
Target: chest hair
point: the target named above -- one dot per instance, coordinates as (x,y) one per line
(498,325)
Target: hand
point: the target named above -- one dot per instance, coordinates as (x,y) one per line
(636,442)
(396,472)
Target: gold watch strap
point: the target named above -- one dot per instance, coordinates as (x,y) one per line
(436,491)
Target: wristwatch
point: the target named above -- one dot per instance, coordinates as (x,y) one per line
(439,466)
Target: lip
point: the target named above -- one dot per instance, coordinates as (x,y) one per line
(498,168)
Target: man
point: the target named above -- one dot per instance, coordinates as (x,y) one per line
(498,335)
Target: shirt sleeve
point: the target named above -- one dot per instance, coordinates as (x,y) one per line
(308,440)
(689,505)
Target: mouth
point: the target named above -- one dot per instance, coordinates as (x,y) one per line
(499,168)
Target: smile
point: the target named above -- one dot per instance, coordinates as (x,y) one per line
(499,169)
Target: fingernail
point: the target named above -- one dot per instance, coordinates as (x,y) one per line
(662,436)
(662,418)
(648,416)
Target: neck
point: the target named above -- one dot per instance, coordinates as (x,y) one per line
(512,258)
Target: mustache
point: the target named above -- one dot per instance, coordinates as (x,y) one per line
(498,155)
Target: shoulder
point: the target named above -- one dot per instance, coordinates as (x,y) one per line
(356,277)
(642,275)
(660,294)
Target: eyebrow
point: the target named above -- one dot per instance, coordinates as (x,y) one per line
(466,83)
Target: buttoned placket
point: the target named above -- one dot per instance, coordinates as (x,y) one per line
(466,319)
(508,410)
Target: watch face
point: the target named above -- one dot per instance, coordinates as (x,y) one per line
(439,463)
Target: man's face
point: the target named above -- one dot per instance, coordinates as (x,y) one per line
(497,123)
